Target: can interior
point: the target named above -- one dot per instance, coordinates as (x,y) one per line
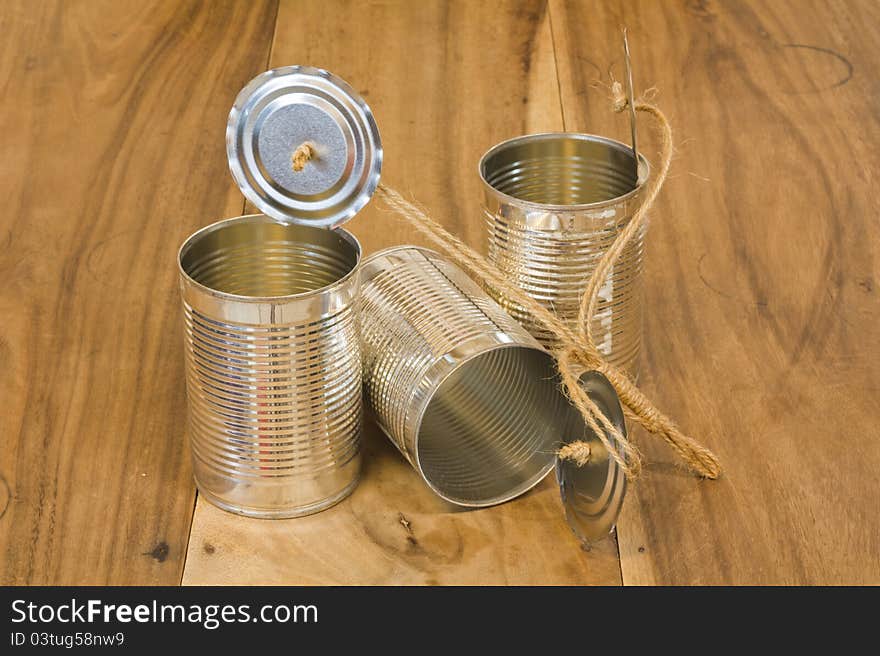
(256,256)
(561,169)
(491,430)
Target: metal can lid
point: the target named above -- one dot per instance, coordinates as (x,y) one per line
(593,493)
(303,146)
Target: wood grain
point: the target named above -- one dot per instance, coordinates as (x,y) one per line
(113,118)
(394,531)
(446,82)
(762,280)
(761,336)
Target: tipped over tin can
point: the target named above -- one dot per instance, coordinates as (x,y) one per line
(273,361)
(463,391)
(469,397)
(554,203)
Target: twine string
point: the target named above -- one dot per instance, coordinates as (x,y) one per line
(578,452)
(301,156)
(577,349)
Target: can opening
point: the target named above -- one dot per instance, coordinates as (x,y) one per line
(491,429)
(561,169)
(256,256)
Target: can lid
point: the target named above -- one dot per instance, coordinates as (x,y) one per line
(303,146)
(593,493)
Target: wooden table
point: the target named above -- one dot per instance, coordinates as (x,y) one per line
(763,280)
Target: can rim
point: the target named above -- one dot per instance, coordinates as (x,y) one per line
(502,498)
(644,172)
(264,218)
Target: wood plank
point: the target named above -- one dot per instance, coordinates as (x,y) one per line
(113,121)
(762,281)
(446,82)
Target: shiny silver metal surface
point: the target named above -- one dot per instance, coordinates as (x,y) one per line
(553,204)
(630,101)
(464,392)
(282,109)
(593,493)
(273,366)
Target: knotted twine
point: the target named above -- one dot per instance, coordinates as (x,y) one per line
(577,349)
(304,152)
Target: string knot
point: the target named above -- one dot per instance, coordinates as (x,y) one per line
(578,452)
(301,156)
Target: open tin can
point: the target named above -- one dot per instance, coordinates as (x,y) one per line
(470,398)
(554,203)
(273,361)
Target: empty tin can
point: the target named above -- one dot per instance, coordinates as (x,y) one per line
(554,203)
(466,394)
(273,364)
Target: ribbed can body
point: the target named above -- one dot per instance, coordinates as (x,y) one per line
(464,392)
(273,365)
(553,205)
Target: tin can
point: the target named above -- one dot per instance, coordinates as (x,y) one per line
(554,203)
(273,366)
(467,395)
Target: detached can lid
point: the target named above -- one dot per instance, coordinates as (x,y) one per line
(303,146)
(593,493)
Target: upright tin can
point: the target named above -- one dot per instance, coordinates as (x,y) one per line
(273,362)
(469,397)
(553,204)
